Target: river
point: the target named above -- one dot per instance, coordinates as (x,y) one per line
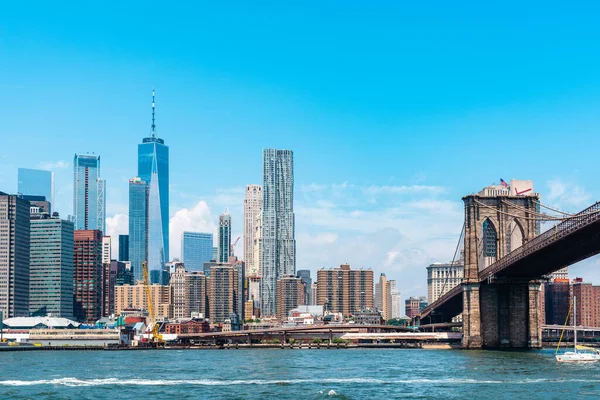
(293,374)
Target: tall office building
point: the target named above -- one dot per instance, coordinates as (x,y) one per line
(198,294)
(223,292)
(36,182)
(395,299)
(87,285)
(252,209)
(345,290)
(304,274)
(383,297)
(153,168)
(123,247)
(138,225)
(89,193)
(14,256)
(51,269)
(278,226)
(224,237)
(180,292)
(442,277)
(196,249)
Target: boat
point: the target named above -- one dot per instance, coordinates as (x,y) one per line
(579,353)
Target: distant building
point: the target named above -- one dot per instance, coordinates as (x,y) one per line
(557,301)
(215,254)
(290,294)
(87,285)
(196,249)
(198,292)
(38,204)
(278,225)
(123,247)
(252,209)
(134,296)
(89,193)
(383,297)
(36,182)
(106,250)
(415,305)
(396,302)
(224,293)
(304,274)
(14,256)
(51,270)
(180,293)
(343,290)
(561,274)
(313,294)
(138,225)
(588,303)
(442,277)
(113,274)
(368,317)
(224,237)
(256,268)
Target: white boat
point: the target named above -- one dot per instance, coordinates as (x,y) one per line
(585,354)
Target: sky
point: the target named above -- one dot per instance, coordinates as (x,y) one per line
(394,111)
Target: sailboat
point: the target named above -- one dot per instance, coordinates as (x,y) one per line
(579,353)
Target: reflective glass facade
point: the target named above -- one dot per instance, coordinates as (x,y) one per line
(196,249)
(138,233)
(224,237)
(89,194)
(153,168)
(36,182)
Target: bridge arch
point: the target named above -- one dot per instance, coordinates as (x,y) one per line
(515,235)
(489,242)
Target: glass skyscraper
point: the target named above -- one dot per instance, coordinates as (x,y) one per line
(89,193)
(224,237)
(123,247)
(36,182)
(153,168)
(138,232)
(196,249)
(278,226)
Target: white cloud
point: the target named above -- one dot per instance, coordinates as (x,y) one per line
(195,219)
(567,195)
(52,165)
(116,225)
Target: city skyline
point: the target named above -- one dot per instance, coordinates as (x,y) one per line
(399,136)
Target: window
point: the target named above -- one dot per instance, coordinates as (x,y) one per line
(489,239)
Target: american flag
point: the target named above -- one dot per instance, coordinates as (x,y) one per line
(503,183)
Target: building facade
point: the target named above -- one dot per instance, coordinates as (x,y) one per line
(290,294)
(134,296)
(252,209)
(224,237)
(344,290)
(557,301)
(87,284)
(588,303)
(383,297)
(36,182)
(123,247)
(153,168)
(196,249)
(89,193)
(180,292)
(224,293)
(138,225)
(198,293)
(442,277)
(304,274)
(414,306)
(51,271)
(14,256)
(396,301)
(278,224)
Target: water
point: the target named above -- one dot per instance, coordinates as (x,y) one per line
(293,374)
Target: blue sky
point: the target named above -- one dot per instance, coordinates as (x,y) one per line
(394,111)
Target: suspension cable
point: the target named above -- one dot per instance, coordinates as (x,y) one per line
(462,232)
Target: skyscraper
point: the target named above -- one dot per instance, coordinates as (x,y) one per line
(87,284)
(123,247)
(224,237)
(36,182)
(14,256)
(153,168)
(345,290)
(89,193)
(304,275)
(196,249)
(51,268)
(278,226)
(138,225)
(252,208)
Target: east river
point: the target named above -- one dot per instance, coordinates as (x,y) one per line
(294,374)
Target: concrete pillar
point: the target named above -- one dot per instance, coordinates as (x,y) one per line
(535,317)
(488,298)
(471,317)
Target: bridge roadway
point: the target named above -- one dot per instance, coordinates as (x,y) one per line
(293,331)
(571,241)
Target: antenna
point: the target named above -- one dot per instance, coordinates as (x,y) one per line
(153,125)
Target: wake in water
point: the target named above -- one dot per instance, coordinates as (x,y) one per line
(75,382)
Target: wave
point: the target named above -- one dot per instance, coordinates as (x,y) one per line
(211,382)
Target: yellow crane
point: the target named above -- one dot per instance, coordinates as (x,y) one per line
(157,337)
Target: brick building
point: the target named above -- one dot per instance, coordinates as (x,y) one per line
(343,290)
(87,277)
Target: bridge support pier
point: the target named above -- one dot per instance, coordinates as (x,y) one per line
(535,319)
(471,317)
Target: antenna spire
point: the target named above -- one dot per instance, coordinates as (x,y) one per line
(153,125)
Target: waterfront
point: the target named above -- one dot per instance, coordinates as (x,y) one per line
(293,374)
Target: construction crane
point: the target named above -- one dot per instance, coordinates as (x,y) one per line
(156,337)
(234,244)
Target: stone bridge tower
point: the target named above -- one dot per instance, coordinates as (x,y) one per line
(498,220)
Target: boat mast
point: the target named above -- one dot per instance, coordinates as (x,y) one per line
(575,322)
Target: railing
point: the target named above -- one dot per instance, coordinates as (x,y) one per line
(574,223)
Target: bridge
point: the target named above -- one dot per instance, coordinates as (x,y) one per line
(506,262)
